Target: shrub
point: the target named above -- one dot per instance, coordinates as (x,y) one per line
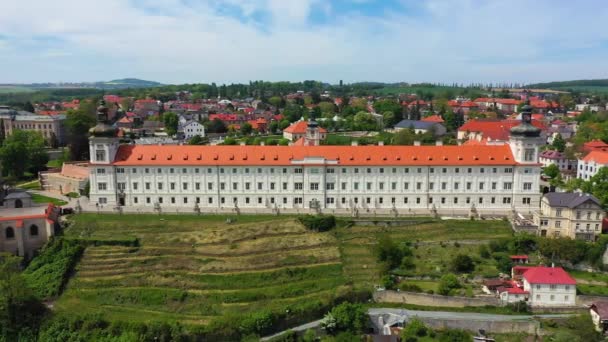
(447,284)
(392,255)
(49,271)
(462,264)
(413,329)
(318,223)
(484,252)
(349,317)
(410,287)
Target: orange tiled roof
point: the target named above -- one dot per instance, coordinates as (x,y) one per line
(600,157)
(495,129)
(300,128)
(284,155)
(433,118)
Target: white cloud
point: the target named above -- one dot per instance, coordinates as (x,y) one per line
(196,41)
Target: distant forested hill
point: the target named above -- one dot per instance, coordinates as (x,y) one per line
(598,85)
(127,83)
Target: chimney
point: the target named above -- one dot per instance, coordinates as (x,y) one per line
(417,143)
(354,143)
(380,143)
(438,143)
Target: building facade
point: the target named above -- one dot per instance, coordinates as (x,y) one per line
(549,287)
(50,126)
(573,215)
(341,179)
(549,157)
(591,164)
(24,234)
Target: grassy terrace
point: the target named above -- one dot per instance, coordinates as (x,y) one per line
(193,269)
(435,244)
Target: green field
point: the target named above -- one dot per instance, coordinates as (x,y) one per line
(36,198)
(15,89)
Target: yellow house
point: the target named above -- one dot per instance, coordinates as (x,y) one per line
(573,215)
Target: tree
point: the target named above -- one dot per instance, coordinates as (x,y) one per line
(171,121)
(276,101)
(364,121)
(389,119)
(20,311)
(391,255)
(283,124)
(273,126)
(388,105)
(23,151)
(598,186)
(246,128)
(447,283)
(404,137)
(216,126)
(350,317)
(462,264)
(78,122)
(551,171)
(28,107)
(559,143)
(414,328)
(327,107)
(2,133)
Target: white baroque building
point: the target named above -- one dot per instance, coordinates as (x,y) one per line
(341,179)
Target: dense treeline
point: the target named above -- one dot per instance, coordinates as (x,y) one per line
(575,83)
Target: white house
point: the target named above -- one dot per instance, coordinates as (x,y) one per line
(591,164)
(548,286)
(599,315)
(549,157)
(191,129)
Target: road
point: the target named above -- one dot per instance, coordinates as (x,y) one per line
(432,314)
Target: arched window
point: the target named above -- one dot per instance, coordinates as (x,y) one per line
(9,233)
(34,230)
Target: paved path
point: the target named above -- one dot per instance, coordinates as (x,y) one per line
(432,314)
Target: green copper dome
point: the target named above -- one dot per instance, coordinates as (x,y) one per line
(103,129)
(526,128)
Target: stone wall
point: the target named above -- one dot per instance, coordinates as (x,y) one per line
(433,300)
(495,327)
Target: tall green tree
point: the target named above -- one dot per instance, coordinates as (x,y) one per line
(246,128)
(78,122)
(559,143)
(20,310)
(23,151)
(171,122)
(551,171)
(598,186)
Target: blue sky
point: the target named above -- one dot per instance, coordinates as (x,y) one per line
(186,41)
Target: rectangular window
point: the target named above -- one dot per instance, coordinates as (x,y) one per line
(368,185)
(197,186)
(356,186)
(329,186)
(172,186)
(493,200)
(172,200)
(298,170)
(100,155)
(469,185)
(284,186)
(418,186)
(493,185)
(381,186)
(260,184)
(506,200)
(102,186)
(431,186)
(526,200)
(369,170)
(171,170)
(455,200)
(235,186)
(314,186)
(417,200)
(558,212)
(394,186)
(509,170)
(330,171)
(185,186)
(444,170)
(209,186)
(343,186)
(431,170)
(481,186)
(135,185)
(527,186)
(558,224)
(456,186)
(444,185)
(222,186)
(480,200)
(298,186)
(529,154)
(271,185)
(406,186)
(507,186)
(148,200)
(159,186)
(148,186)
(457,170)
(101,171)
(121,186)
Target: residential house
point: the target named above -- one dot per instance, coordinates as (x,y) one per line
(549,287)
(569,214)
(592,107)
(421,127)
(146,107)
(599,315)
(595,145)
(191,129)
(549,157)
(433,118)
(589,165)
(298,130)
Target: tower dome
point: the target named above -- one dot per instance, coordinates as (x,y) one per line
(103,129)
(525,128)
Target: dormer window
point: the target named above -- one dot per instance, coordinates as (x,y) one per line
(100,155)
(529,154)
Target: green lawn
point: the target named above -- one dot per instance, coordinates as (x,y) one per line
(55,164)
(15,89)
(32,185)
(195,269)
(36,198)
(589,276)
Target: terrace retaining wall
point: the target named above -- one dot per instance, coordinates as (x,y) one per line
(433,300)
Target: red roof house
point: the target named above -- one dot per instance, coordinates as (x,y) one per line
(433,118)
